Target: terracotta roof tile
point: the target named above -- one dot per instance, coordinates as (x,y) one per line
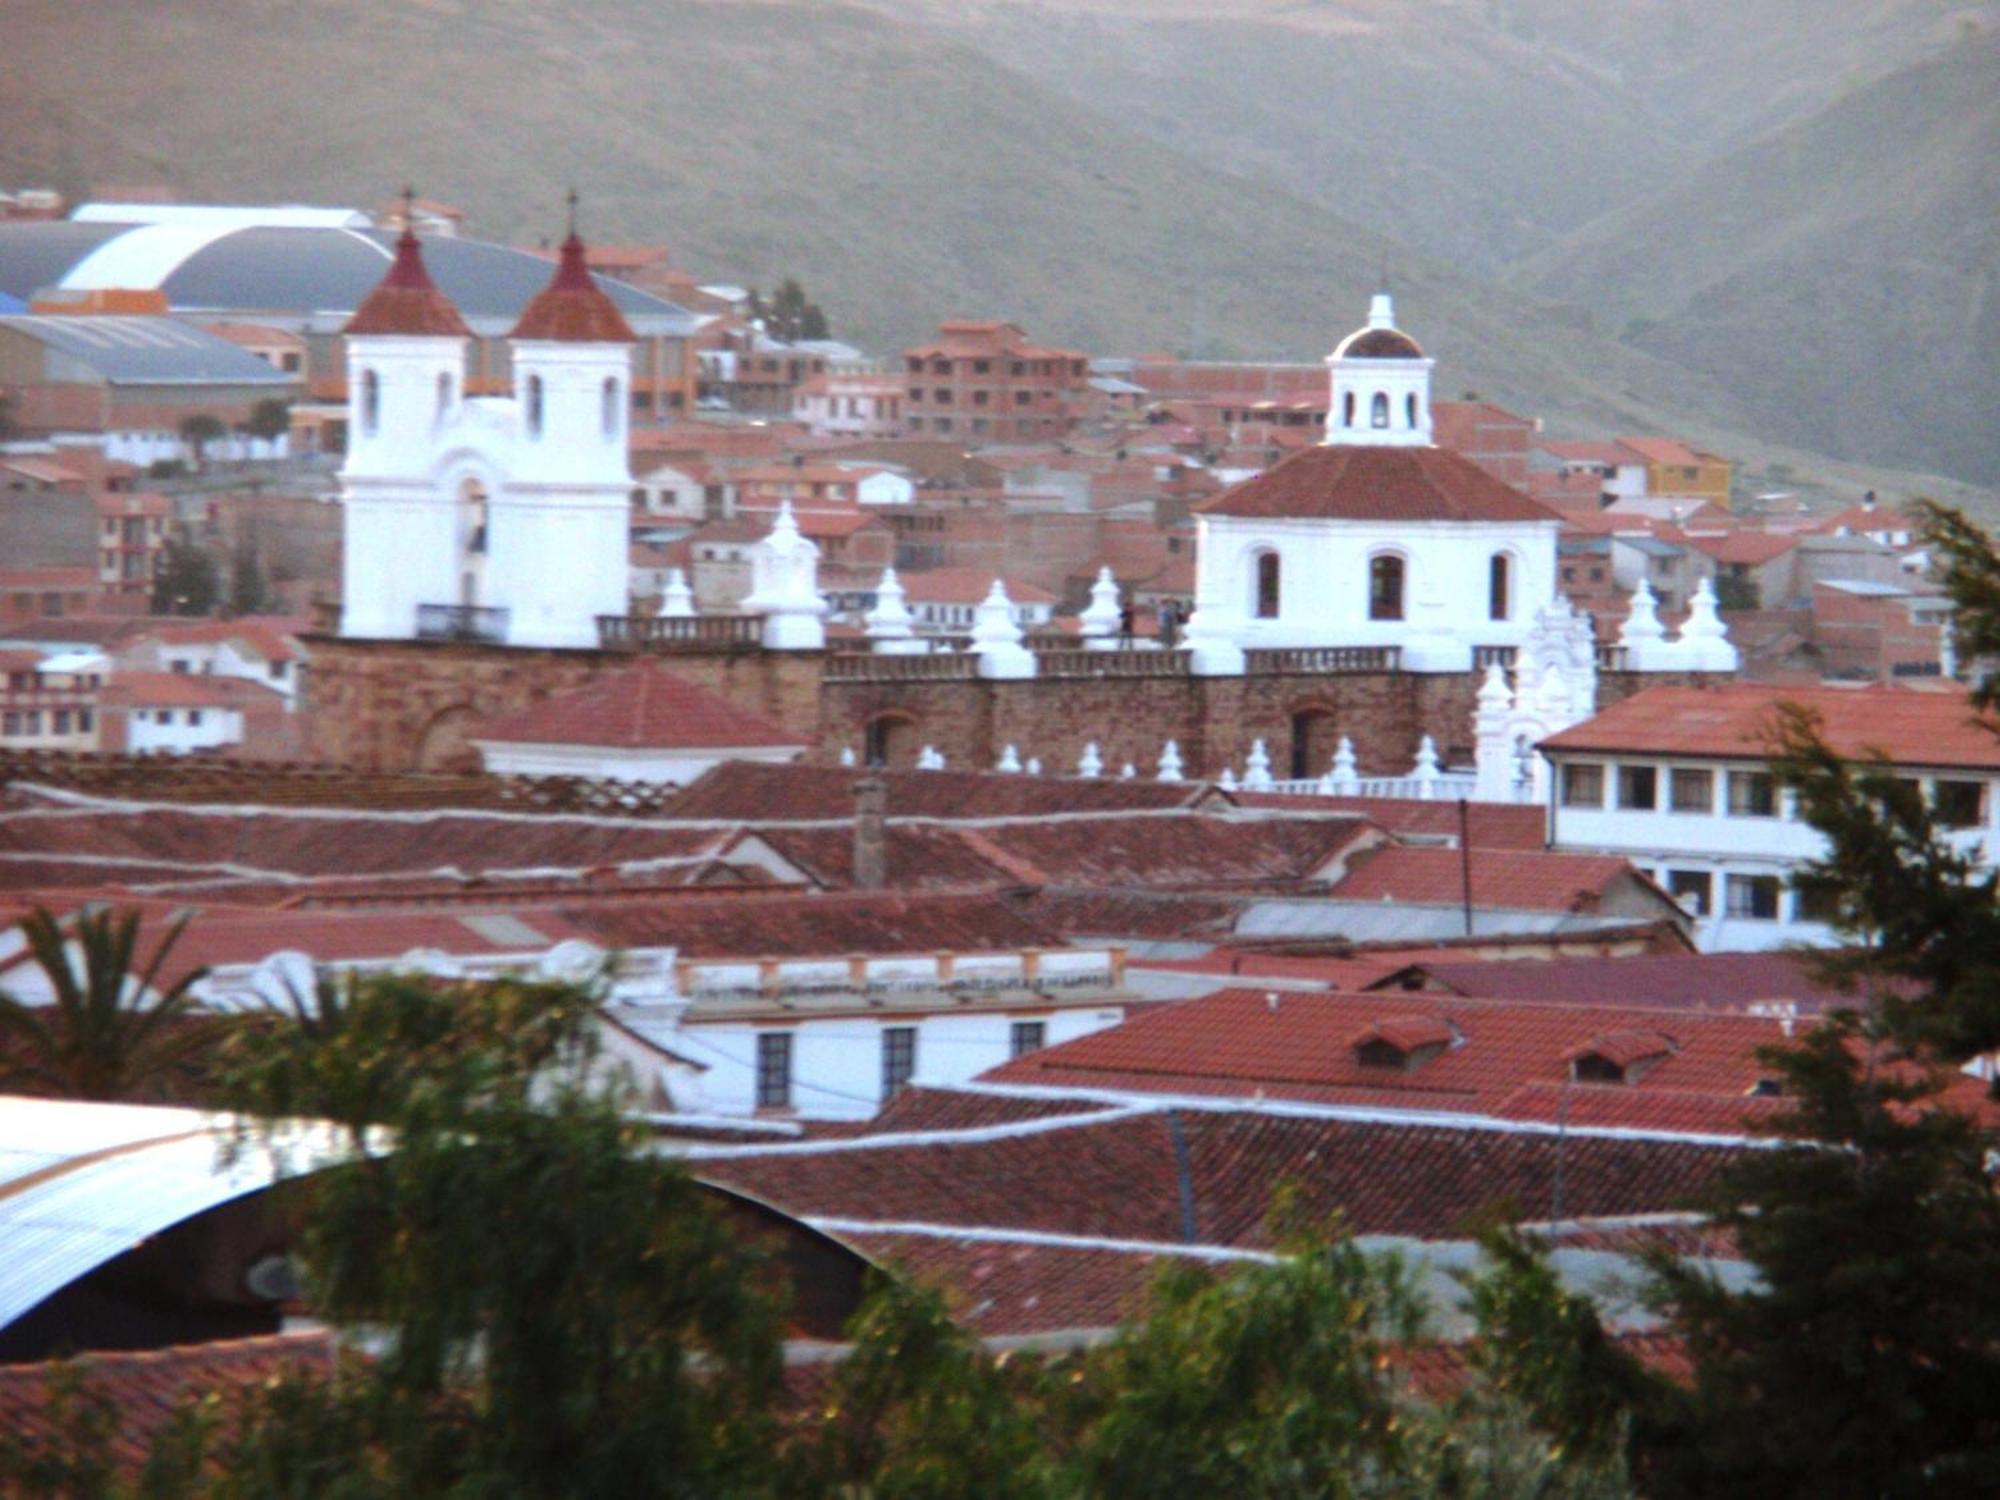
(749,792)
(573,308)
(1338,482)
(645,708)
(1707,981)
(1916,727)
(1511,879)
(406,301)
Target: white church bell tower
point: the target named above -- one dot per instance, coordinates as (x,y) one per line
(1381,385)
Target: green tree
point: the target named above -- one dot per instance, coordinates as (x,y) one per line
(270,418)
(790,315)
(187,583)
(248,593)
(1733,591)
(115,1028)
(198,430)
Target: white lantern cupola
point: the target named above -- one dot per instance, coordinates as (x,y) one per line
(1381,385)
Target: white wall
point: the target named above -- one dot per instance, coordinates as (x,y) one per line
(678,767)
(837,1061)
(172,731)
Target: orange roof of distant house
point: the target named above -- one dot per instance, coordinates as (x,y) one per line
(1749,548)
(968,586)
(1661,450)
(186,690)
(1341,482)
(47,578)
(1912,726)
(1606,455)
(1862,519)
(273,637)
(625,257)
(1514,879)
(254,335)
(41,470)
(645,708)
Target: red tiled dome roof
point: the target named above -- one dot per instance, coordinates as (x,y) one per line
(407,301)
(573,308)
(1378,343)
(1360,483)
(641,709)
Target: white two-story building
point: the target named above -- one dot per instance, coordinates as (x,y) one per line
(1677,779)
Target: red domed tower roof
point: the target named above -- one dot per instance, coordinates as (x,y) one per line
(407,301)
(573,308)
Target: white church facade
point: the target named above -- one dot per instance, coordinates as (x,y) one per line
(493,518)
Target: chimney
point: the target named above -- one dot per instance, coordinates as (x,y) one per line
(871,844)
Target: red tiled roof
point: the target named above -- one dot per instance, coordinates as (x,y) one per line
(1239,1044)
(747,791)
(274,637)
(573,308)
(186,690)
(968,586)
(1489,825)
(1120,1177)
(1707,981)
(406,301)
(1912,726)
(1190,851)
(148,1388)
(1749,548)
(645,708)
(1513,879)
(1343,483)
(920,856)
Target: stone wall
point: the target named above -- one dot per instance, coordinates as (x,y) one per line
(392,705)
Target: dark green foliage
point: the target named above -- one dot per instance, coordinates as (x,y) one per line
(198,430)
(248,594)
(269,418)
(1733,592)
(115,1030)
(188,582)
(790,315)
(1971,568)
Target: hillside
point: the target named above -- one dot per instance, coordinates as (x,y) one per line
(904,175)
(1840,276)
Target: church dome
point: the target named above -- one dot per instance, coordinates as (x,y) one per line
(1378,343)
(407,302)
(573,308)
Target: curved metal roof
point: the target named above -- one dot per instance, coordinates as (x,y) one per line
(313,276)
(81,1184)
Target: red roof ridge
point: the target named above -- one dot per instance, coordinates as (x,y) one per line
(407,302)
(573,308)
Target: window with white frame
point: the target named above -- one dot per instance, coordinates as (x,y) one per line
(1692,789)
(1754,896)
(899,1059)
(774,1070)
(1582,784)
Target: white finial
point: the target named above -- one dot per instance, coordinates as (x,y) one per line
(787,525)
(784,574)
(1170,761)
(1494,694)
(1090,763)
(1426,768)
(1381,311)
(1326,786)
(1346,776)
(1257,768)
(1642,626)
(889,620)
(996,637)
(1010,760)
(847,755)
(1100,618)
(1034,765)
(1129,773)
(1227,780)
(677,599)
(1704,640)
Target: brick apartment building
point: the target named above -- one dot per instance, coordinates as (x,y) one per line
(985,382)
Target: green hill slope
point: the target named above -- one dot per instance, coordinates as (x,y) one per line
(1841,277)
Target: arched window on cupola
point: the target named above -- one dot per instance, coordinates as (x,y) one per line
(1410,407)
(1347,410)
(608,401)
(1269,580)
(371,402)
(1378,411)
(1499,587)
(534,406)
(1385,587)
(444,394)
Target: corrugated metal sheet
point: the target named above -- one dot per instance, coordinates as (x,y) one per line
(80,1184)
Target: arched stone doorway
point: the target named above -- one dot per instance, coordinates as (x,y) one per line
(443,745)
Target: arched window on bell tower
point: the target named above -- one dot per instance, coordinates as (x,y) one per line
(534,406)
(371,402)
(608,401)
(1378,411)
(1269,581)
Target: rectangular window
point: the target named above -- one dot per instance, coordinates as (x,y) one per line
(62,721)
(1959,804)
(1695,889)
(1583,784)
(899,1058)
(1639,788)
(774,1070)
(194,717)
(10,724)
(1751,795)
(1693,791)
(1028,1036)
(1754,896)
(85,720)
